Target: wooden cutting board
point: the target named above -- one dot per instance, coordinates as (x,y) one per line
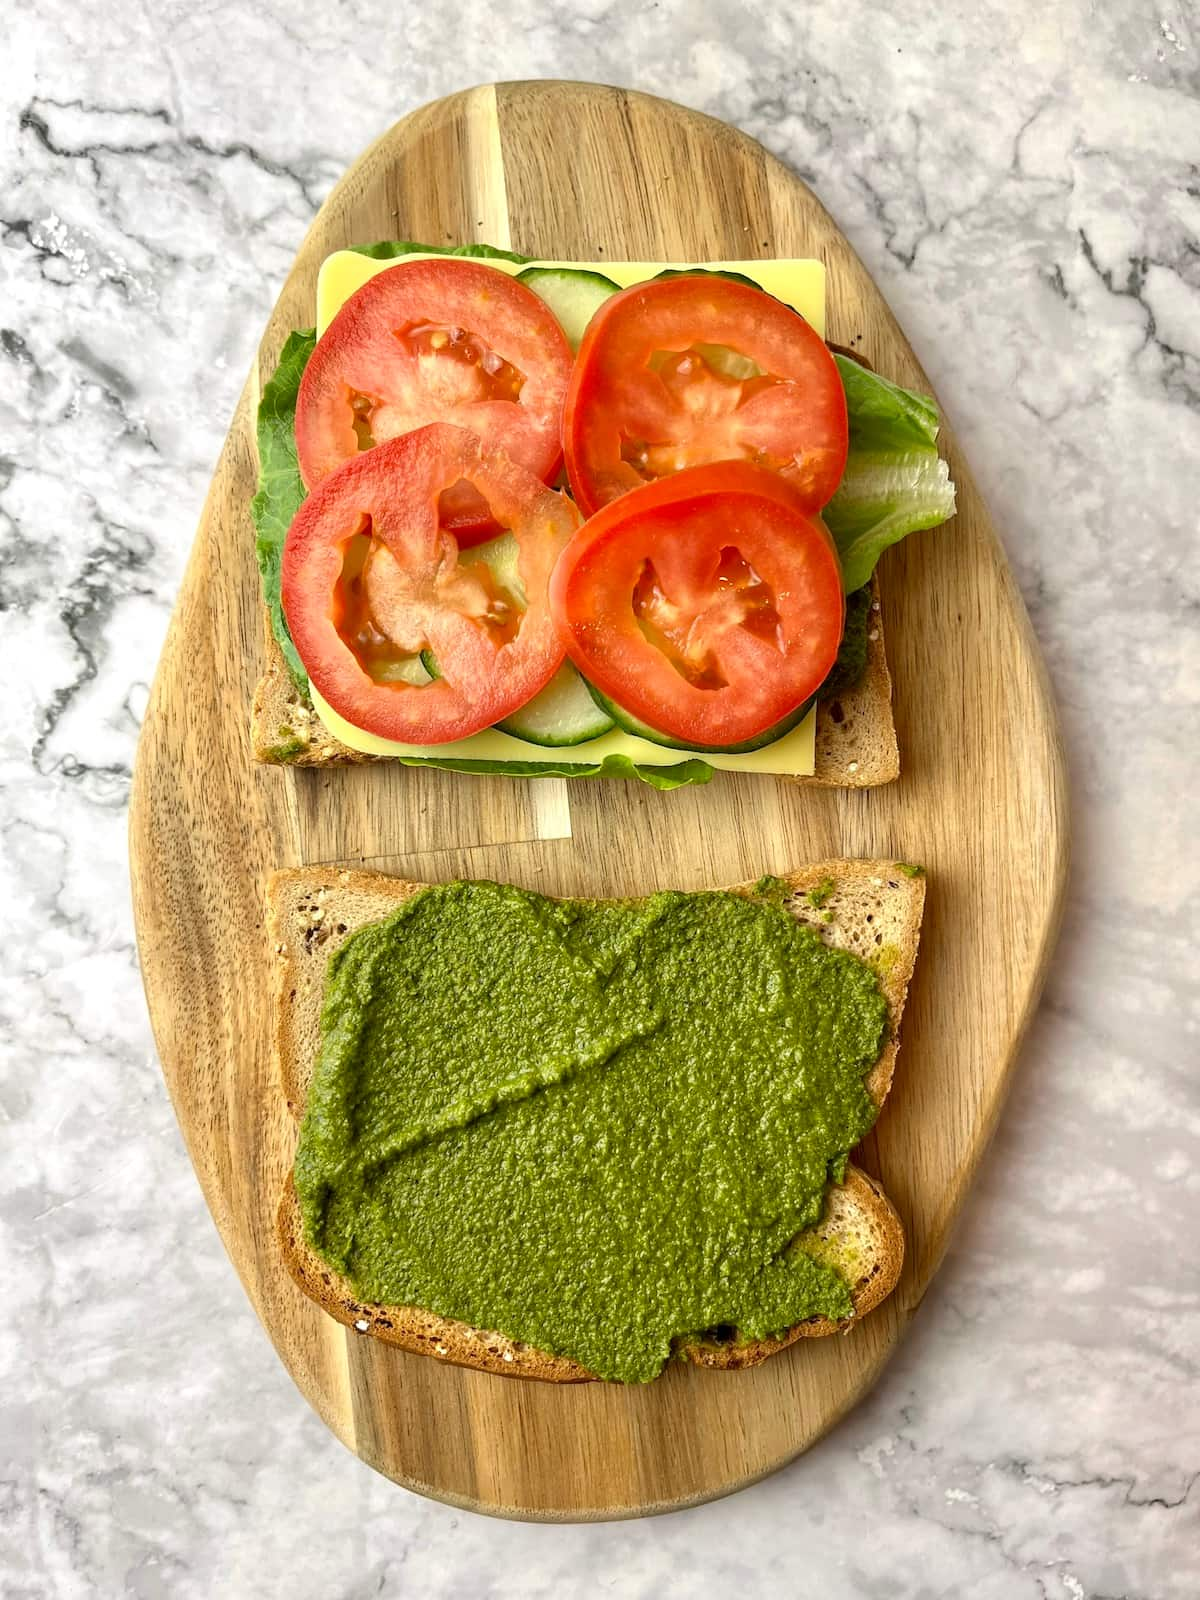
(585,172)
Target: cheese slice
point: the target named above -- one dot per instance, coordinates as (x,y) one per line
(793,754)
(800,284)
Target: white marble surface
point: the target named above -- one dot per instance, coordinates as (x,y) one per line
(1028,197)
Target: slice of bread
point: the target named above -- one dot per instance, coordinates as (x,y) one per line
(872,908)
(855,739)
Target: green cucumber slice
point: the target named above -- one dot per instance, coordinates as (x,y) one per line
(411,670)
(573,295)
(502,557)
(709,272)
(641,730)
(564,713)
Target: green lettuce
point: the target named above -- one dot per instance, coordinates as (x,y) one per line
(280,489)
(895,482)
(386,249)
(675,777)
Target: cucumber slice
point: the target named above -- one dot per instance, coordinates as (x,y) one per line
(563,714)
(573,295)
(641,730)
(709,272)
(411,670)
(501,556)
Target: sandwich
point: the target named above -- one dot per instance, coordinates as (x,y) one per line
(540,519)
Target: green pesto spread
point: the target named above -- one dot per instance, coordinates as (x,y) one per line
(851,660)
(592,1126)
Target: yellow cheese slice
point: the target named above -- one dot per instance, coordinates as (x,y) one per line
(793,754)
(800,284)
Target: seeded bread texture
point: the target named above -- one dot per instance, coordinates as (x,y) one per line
(872,908)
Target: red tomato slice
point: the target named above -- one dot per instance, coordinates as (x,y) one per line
(709,605)
(446,340)
(682,371)
(370,579)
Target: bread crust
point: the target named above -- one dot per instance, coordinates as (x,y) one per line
(872,908)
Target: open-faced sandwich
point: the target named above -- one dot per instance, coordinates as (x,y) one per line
(573,1139)
(547,519)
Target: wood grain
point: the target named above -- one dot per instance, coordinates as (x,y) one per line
(576,171)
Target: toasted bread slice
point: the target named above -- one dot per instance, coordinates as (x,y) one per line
(872,908)
(855,738)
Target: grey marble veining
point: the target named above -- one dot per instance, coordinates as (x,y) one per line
(1024,183)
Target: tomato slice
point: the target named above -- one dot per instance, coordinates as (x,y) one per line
(709,604)
(682,371)
(446,340)
(371,579)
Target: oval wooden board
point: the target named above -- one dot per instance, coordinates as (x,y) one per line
(584,172)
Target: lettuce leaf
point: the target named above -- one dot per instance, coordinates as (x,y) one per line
(387,248)
(280,488)
(895,482)
(684,772)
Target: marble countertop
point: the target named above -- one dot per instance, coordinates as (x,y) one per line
(1027,196)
